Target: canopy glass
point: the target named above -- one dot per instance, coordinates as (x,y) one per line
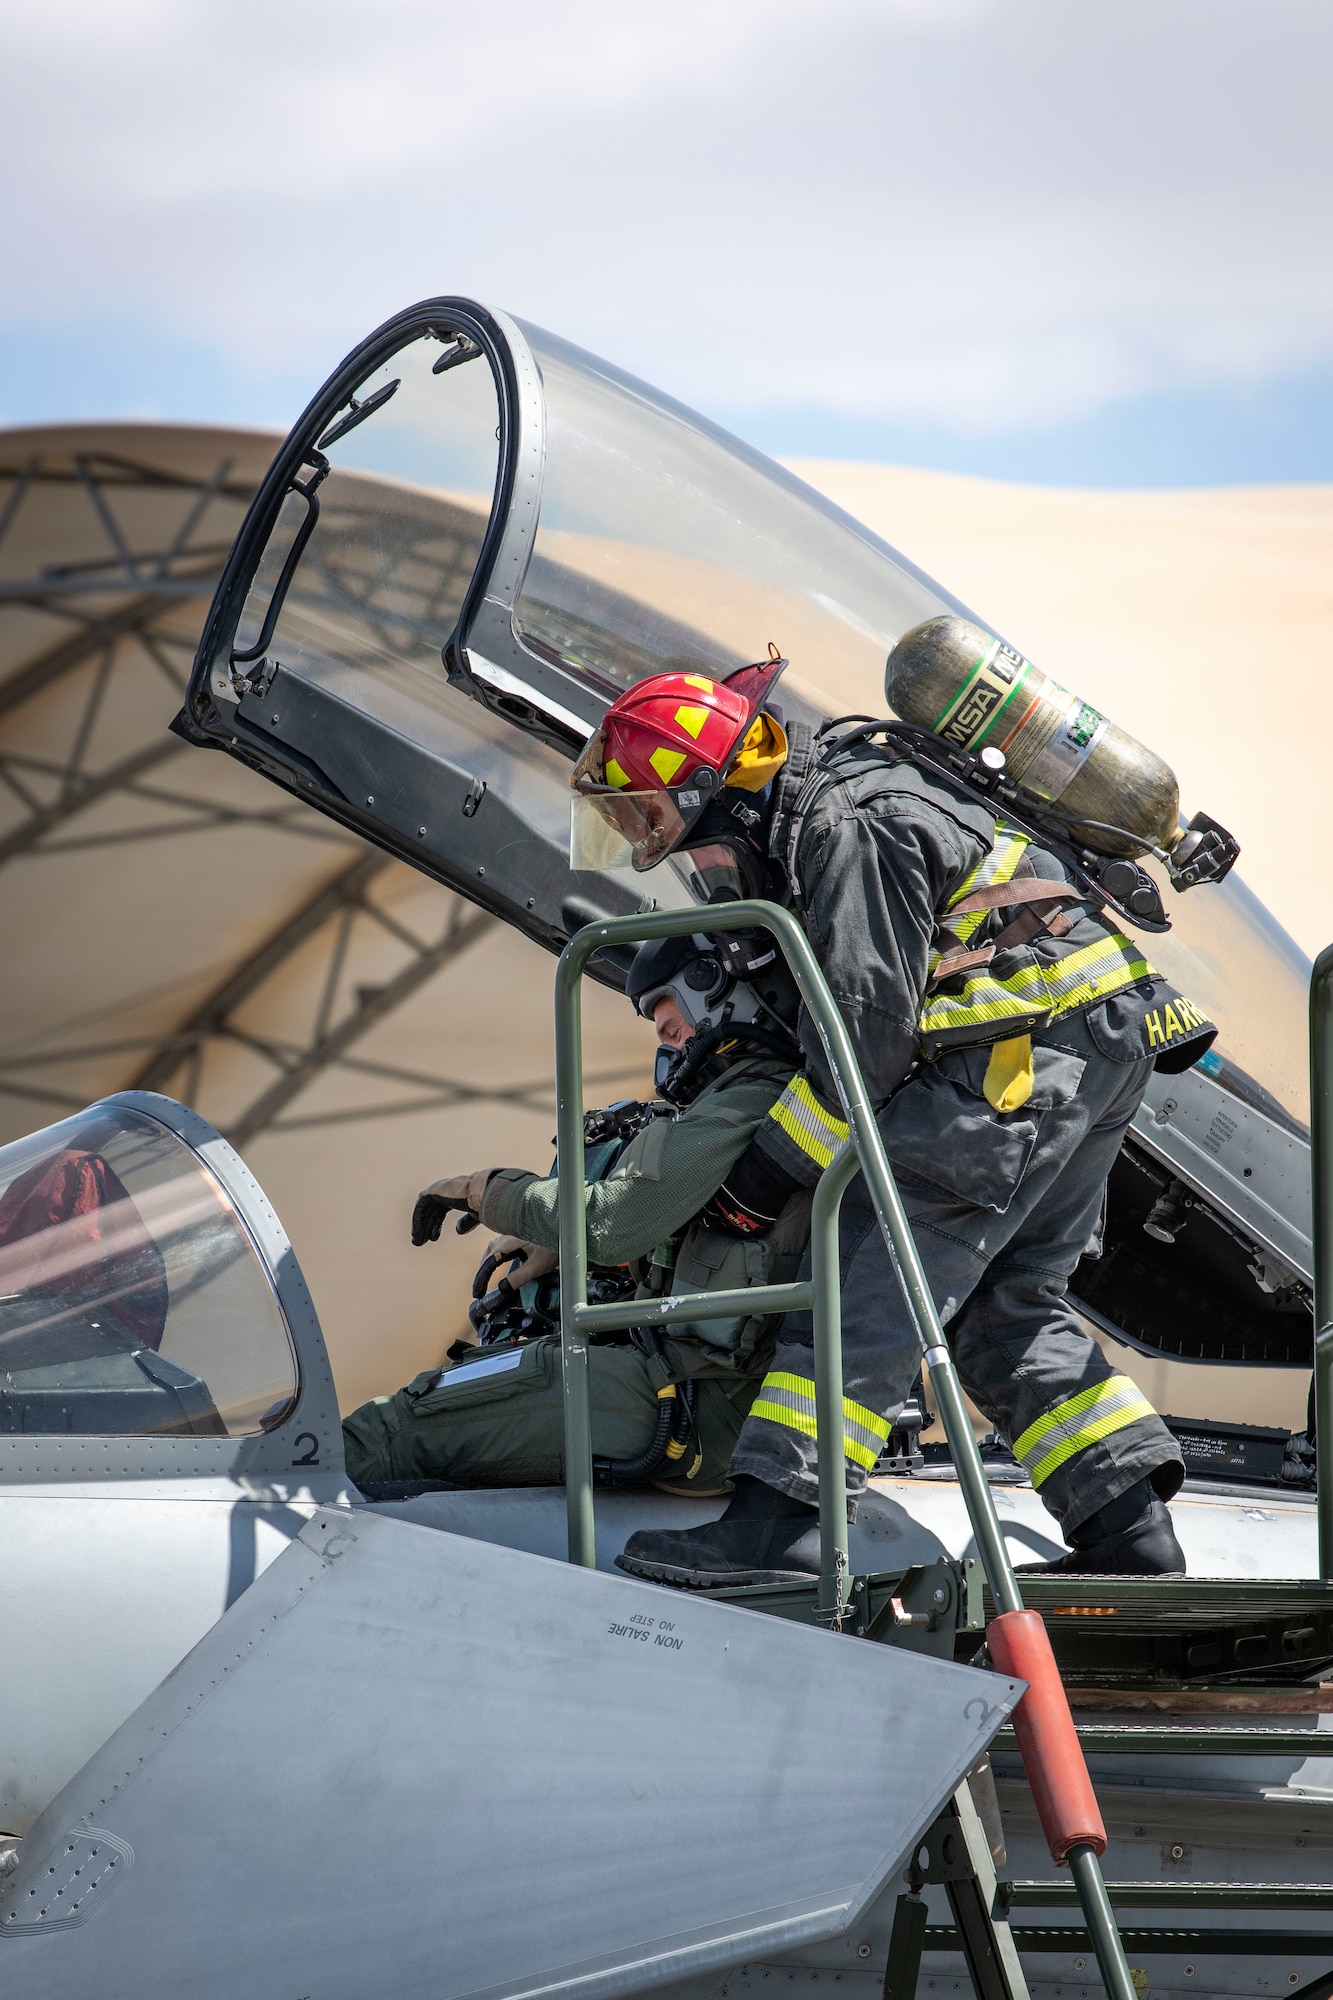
(666,545)
(132,1300)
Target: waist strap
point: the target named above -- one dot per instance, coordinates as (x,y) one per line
(994,1003)
(1001,991)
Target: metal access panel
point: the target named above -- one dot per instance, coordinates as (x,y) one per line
(410,1763)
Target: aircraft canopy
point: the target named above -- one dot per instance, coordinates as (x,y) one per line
(478,535)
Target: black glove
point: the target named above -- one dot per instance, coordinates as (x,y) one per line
(428,1218)
(752,1196)
(528,1261)
(436,1201)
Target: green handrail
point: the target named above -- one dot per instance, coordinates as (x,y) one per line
(864,1151)
(1321,1233)
(578,1318)
(826,1310)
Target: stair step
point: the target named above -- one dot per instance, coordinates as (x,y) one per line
(1191,1740)
(1159,1895)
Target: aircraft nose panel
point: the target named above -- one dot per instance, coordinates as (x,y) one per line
(409,1761)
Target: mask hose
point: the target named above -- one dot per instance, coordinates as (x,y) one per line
(684,1074)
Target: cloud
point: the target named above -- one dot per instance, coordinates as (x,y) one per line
(978,214)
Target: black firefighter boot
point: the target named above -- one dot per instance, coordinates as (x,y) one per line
(1131,1535)
(764,1537)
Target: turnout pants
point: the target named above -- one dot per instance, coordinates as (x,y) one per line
(1002,1206)
(497,1419)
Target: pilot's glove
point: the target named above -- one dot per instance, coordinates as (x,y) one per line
(752,1196)
(435,1202)
(502,1250)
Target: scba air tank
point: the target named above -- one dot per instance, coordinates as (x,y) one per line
(977,693)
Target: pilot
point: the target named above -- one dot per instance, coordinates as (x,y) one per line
(1001,1141)
(668,1409)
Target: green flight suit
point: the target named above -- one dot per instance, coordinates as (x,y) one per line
(497,1418)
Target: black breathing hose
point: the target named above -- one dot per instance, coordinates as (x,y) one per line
(629,1471)
(701,1049)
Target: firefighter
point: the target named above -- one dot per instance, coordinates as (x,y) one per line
(1005,1046)
(665,1409)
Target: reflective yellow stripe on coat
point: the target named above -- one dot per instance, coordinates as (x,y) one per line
(1080,1421)
(999,866)
(1034,995)
(806,1123)
(789,1400)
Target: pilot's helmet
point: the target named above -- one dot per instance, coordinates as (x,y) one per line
(690,971)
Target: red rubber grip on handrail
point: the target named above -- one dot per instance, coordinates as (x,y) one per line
(1052,1754)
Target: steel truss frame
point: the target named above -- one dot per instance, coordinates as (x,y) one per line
(174,1063)
(121,605)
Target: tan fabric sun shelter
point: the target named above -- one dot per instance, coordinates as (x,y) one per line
(173,920)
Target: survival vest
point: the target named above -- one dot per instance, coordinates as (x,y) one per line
(708,1259)
(702,1257)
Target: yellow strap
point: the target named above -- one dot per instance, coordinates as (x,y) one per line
(1009,1077)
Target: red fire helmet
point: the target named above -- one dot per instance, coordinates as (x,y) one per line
(664,748)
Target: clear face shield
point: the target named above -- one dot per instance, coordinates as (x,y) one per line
(625,829)
(720,873)
(609,829)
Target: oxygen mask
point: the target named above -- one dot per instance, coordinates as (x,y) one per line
(691,972)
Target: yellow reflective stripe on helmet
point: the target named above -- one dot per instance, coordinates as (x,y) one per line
(789,1400)
(803,1118)
(1080,1421)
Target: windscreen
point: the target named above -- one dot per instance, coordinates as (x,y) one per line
(132,1301)
(666,545)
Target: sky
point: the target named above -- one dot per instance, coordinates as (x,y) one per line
(1065,243)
